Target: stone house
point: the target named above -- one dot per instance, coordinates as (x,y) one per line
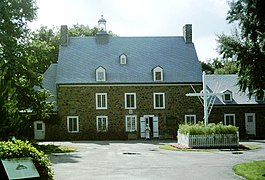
(235,107)
(111,87)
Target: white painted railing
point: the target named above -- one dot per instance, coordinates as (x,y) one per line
(210,140)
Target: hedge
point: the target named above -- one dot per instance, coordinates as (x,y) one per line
(19,149)
(196,129)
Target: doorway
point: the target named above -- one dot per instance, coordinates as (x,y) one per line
(153,124)
(250,123)
(39,130)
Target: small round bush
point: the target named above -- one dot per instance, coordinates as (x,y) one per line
(20,149)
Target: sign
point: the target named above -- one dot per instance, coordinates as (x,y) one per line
(20,168)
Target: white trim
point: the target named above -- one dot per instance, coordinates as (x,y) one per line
(156,70)
(227,115)
(123,85)
(123,59)
(164,100)
(97,121)
(100,70)
(190,115)
(68,125)
(106,100)
(125,100)
(254,122)
(126,125)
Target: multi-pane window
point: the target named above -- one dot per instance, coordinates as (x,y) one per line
(123,59)
(158,74)
(190,119)
(227,96)
(100,74)
(130,122)
(130,100)
(230,119)
(159,100)
(73,124)
(102,123)
(101,101)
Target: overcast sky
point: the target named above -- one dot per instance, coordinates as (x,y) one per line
(144,18)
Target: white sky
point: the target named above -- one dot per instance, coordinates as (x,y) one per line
(143,18)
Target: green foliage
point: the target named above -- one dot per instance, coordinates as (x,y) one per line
(18,60)
(220,66)
(50,148)
(199,128)
(19,149)
(251,170)
(247,45)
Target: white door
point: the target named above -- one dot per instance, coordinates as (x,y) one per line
(39,130)
(250,123)
(142,127)
(153,123)
(155,127)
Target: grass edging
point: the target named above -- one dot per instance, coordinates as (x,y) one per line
(244,148)
(251,170)
(50,148)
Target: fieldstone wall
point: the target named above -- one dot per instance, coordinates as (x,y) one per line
(81,101)
(217,115)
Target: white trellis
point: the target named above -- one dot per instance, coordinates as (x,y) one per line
(207,105)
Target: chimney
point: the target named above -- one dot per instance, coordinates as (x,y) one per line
(187,33)
(64,35)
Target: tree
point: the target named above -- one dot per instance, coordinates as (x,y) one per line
(18,62)
(247,45)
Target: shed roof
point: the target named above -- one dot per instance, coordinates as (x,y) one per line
(228,82)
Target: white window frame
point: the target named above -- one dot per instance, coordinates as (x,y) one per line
(99,106)
(98,76)
(187,116)
(229,115)
(158,69)
(125,98)
(68,124)
(99,120)
(259,98)
(123,59)
(128,122)
(227,92)
(163,101)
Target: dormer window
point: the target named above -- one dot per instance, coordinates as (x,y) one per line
(123,59)
(100,74)
(260,96)
(227,96)
(158,74)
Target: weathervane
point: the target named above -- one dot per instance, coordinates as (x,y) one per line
(205,95)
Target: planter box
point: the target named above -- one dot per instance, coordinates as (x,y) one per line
(211,140)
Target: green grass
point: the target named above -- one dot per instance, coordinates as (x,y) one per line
(50,148)
(251,170)
(241,148)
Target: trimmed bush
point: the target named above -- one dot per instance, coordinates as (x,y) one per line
(196,129)
(20,149)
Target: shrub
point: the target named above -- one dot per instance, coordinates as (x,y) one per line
(19,149)
(196,129)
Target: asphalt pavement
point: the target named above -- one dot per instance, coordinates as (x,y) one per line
(144,160)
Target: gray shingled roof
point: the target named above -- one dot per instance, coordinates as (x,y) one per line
(219,83)
(79,60)
(49,81)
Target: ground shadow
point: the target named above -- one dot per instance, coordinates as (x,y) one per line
(59,158)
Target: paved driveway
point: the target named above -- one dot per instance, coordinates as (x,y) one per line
(144,160)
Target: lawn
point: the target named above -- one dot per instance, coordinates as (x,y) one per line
(50,148)
(251,170)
